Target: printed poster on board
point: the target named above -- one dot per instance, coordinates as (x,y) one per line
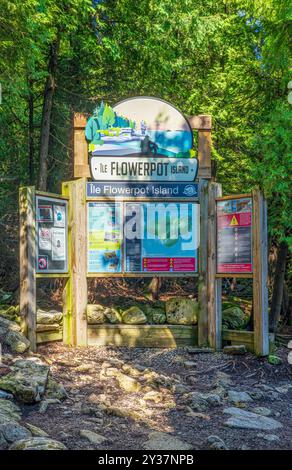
(58,244)
(59,215)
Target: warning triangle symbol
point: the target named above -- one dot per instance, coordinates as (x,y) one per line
(233,221)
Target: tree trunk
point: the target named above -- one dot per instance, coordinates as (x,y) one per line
(277,296)
(46,115)
(30,134)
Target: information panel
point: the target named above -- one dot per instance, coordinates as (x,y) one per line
(161,237)
(104,237)
(51,235)
(234,236)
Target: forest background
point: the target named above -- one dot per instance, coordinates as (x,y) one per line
(227,58)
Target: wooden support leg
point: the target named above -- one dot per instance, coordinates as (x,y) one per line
(202,287)
(260,274)
(75,321)
(214,285)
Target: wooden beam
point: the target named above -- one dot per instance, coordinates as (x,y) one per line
(214,284)
(260,274)
(203,253)
(27,256)
(201,122)
(142,336)
(80,147)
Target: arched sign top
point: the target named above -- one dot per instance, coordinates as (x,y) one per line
(140,126)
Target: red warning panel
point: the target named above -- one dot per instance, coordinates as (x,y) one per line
(234,236)
(176,264)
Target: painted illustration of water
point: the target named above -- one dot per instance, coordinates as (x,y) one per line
(168,143)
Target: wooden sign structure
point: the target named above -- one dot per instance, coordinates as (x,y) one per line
(76,330)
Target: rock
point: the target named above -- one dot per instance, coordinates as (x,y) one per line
(202,401)
(235,349)
(134,316)
(164,441)
(248,420)
(222,379)
(269,437)
(127,383)
(9,325)
(45,404)
(12,337)
(37,443)
(233,318)
(3,442)
(157,397)
(189,364)
(14,432)
(192,350)
(49,317)
(9,411)
(95,314)
(5,395)
(181,311)
(283,389)
(112,315)
(16,341)
(158,317)
(93,437)
(55,389)
(216,443)
(27,381)
(179,388)
(274,360)
(10,312)
(93,409)
(261,410)
(256,395)
(239,397)
(35,431)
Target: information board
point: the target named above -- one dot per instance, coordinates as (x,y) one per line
(143,237)
(104,237)
(167,237)
(51,235)
(234,235)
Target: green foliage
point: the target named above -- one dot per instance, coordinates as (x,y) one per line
(229,58)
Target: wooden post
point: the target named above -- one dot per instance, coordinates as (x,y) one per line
(260,274)
(203,124)
(67,291)
(75,329)
(203,254)
(80,147)
(214,284)
(27,257)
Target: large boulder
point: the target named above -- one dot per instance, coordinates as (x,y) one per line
(16,341)
(248,420)
(134,316)
(48,317)
(26,381)
(37,443)
(11,336)
(154,314)
(112,315)
(181,311)
(95,314)
(9,411)
(234,318)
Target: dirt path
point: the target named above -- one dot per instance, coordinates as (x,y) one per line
(96,380)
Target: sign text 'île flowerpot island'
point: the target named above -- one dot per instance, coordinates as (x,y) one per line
(142,148)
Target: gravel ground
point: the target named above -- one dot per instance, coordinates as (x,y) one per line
(79,370)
